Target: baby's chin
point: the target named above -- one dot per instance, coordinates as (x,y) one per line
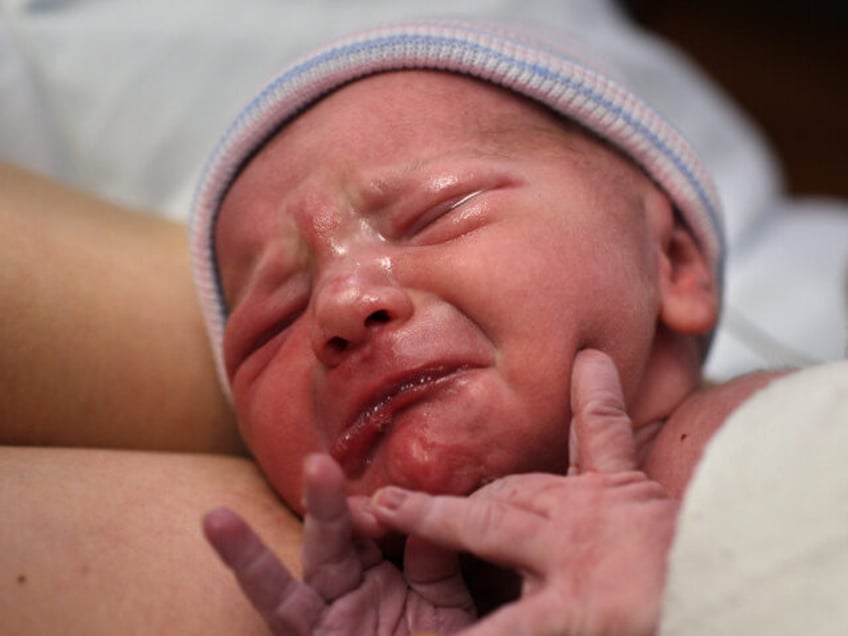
(429,477)
(411,462)
(458,460)
(423,464)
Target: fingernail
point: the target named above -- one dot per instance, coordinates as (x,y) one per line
(389,498)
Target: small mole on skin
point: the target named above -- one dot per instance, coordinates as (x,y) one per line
(683,437)
(22,579)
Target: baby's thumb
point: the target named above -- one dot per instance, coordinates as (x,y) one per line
(601,434)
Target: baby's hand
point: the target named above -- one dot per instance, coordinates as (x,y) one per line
(348,587)
(591,547)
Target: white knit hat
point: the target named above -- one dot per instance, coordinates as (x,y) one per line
(555,74)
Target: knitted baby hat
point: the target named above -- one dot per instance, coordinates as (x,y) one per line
(553,71)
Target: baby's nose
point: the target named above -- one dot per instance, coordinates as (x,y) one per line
(350,309)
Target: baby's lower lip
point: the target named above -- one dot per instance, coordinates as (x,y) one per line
(354,447)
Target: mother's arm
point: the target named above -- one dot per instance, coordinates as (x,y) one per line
(101,340)
(103,542)
(101,345)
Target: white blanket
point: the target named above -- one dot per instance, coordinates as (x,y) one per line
(762,543)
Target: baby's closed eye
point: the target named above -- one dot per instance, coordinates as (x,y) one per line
(259,323)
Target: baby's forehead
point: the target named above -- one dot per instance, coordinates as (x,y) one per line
(434,118)
(444,119)
(429,105)
(436,112)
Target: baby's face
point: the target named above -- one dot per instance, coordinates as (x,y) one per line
(411,267)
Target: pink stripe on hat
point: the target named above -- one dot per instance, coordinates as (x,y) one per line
(554,74)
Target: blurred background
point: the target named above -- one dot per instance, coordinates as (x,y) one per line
(786,63)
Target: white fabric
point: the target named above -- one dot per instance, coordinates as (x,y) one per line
(786,298)
(126,98)
(762,542)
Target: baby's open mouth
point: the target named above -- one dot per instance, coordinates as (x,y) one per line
(355,446)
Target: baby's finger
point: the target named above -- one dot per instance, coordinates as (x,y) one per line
(364,522)
(491,529)
(287,605)
(601,435)
(435,574)
(331,564)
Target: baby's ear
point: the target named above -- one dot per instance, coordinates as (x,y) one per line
(688,289)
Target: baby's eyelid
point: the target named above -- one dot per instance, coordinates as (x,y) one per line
(262,338)
(464,199)
(255,341)
(436,212)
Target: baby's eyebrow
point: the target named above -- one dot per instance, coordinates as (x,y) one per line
(388,184)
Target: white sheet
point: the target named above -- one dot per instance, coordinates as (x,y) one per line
(786,303)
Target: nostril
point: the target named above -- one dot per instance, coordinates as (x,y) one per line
(379,317)
(337,344)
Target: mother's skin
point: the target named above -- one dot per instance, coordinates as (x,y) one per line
(97,540)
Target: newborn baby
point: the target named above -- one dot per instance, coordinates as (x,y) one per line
(407,240)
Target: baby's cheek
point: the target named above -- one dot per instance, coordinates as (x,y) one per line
(280,448)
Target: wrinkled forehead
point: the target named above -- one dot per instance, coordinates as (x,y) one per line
(395,126)
(421,103)
(398,121)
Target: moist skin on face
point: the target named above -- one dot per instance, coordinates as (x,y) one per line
(440,282)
